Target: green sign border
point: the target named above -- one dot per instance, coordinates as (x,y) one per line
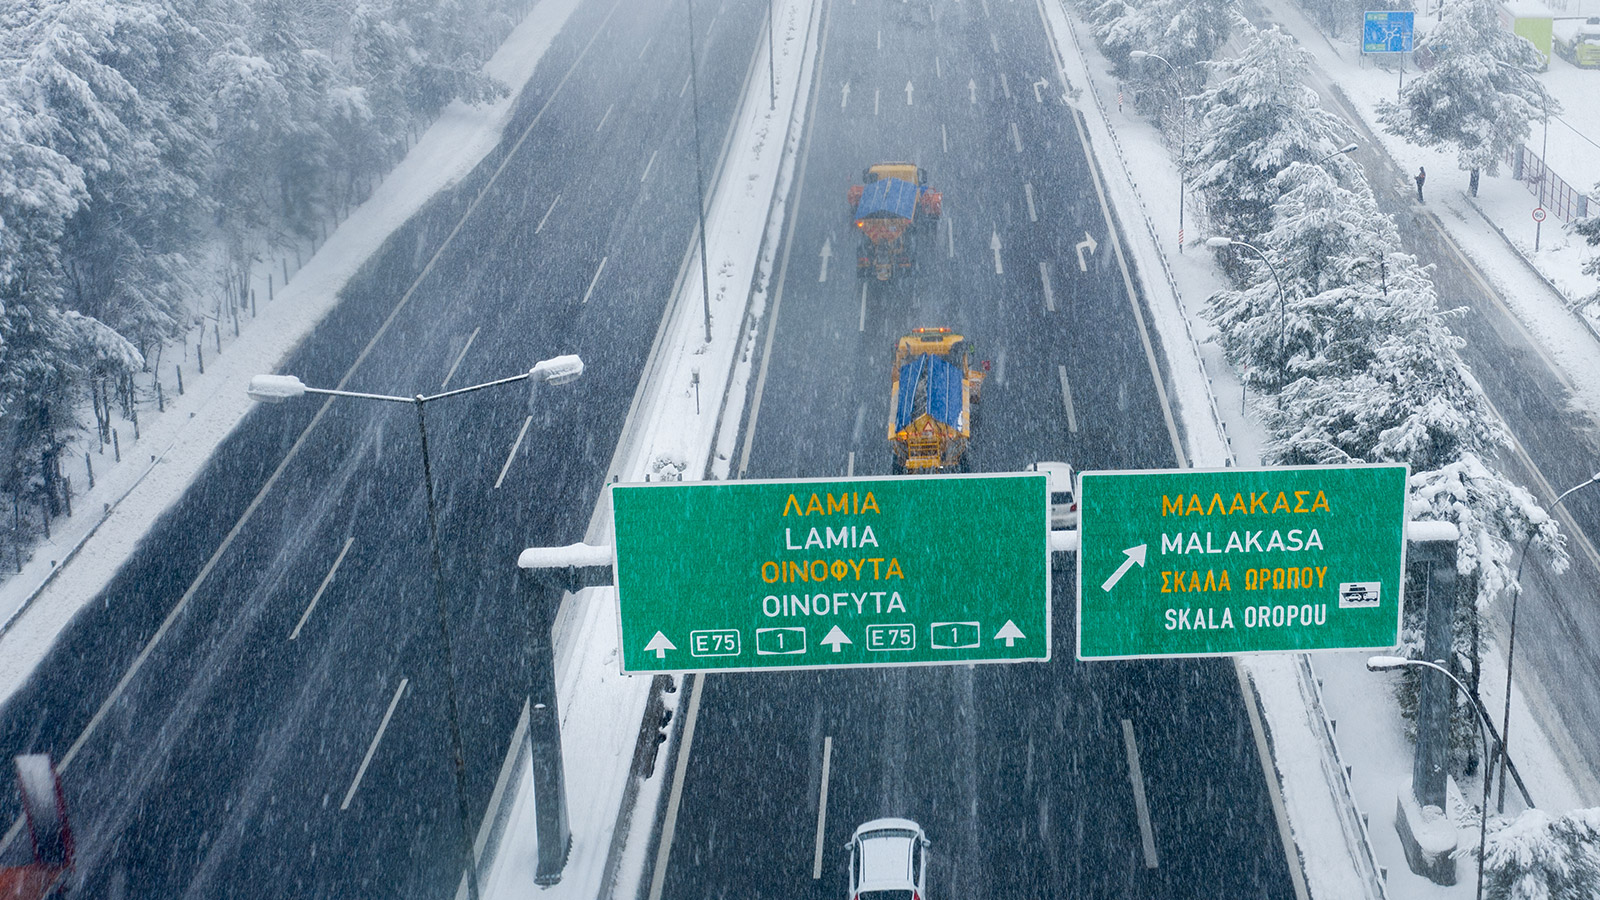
(799,483)
(1399,615)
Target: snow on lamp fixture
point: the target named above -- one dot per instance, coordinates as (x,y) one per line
(275,388)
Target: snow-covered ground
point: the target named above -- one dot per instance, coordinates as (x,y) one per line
(668,435)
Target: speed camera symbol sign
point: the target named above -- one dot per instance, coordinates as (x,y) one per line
(1538,214)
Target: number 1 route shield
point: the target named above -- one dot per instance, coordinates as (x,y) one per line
(1208,563)
(756,575)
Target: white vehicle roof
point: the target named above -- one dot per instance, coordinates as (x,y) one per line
(886,853)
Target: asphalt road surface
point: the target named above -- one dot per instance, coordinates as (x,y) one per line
(1021,774)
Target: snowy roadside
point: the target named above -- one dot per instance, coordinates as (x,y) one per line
(686,407)
(87,550)
(1339,803)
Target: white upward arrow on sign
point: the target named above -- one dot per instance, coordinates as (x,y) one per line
(1010,633)
(659,645)
(836,639)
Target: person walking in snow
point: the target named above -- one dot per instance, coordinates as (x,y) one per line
(1422,175)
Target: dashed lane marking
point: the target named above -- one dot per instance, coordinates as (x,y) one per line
(326,580)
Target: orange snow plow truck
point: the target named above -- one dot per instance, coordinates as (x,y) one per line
(45,812)
(886,210)
(932,396)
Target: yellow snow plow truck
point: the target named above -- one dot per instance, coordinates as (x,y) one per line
(931,400)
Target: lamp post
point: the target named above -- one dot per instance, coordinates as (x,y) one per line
(1511,645)
(1385,663)
(558,370)
(1183,133)
(1348,148)
(1283,301)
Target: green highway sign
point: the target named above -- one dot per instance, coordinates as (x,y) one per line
(1226,561)
(832,573)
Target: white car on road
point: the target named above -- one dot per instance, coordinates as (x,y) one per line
(889,861)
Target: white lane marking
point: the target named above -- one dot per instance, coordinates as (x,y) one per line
(994,42)
(826,254)
(326,580)
(994,244)
(1066,396)
(1274,790)
(669,827)
(985,7)
(944,137)
(373,747)
(1049,294)
(863,326)
(908,93)
(844,96)
(605,117)
(1027,189)
(547,214)
(1005,86)
(653,162)
(1138,314)
(950,231)
(459,357)
(880,38)
(822,799)
(850,465)
(645,47)
(1146,837)
(595,279)
(972,91)
(1016,137)
(1000,369)
(861,417)
(685,86)
(938,70)
(510,457)
(875,92)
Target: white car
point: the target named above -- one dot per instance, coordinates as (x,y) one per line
(889,861)
(1063,503)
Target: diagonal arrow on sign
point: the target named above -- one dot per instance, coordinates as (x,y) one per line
(659,645)
(836,638)
(1088,243)
(1010,633)
(1135,555)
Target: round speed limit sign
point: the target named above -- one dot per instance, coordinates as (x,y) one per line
(1538,214)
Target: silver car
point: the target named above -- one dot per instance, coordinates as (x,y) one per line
(889,861)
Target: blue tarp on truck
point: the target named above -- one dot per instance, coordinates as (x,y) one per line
(929,384)
(888,197)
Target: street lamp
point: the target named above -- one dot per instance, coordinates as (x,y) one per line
(1511,644)
(1183,133)
(1283,302)
(1385,663)
(556,370)
(1348,148)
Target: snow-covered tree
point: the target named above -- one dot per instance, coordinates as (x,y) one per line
(1589,230)
(1537,856)
(1184,32)
(1256,119)
(1479,94)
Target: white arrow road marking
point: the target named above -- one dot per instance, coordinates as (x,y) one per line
(908,93)
(1072,426)
(994,244)
(547,214)
(836,639)
(944,137)
(844,98)
(827,252)
(1033,214)
(659,645)
(596,278)
(1135,555)
(1005,86)
(863,325)
(1037,87)
(972,90)
(1088,243)
(1049,294)
(1010,633)
(1016,137)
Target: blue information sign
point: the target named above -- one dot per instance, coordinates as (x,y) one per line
(1388,31)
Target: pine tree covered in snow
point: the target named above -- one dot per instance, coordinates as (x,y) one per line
(1256,119)
(1589,229)
(1479,94)
(1184,32)
(1538,856)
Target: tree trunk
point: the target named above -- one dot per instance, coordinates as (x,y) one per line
(1473,184)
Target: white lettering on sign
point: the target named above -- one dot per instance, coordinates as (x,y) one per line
(848,536)
(835,604)
(1292,541)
